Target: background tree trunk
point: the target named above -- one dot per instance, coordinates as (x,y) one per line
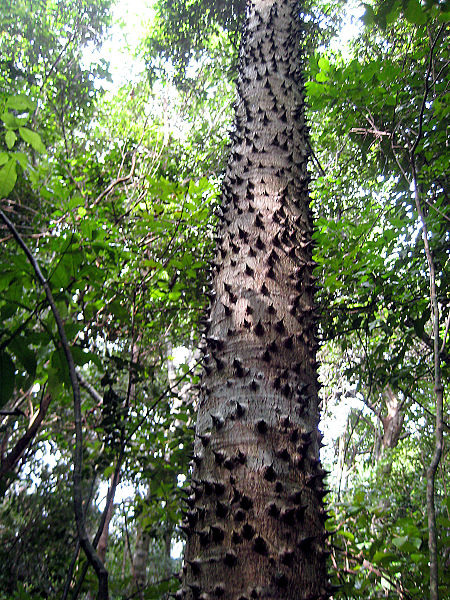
(255,524)
(141,551)
(103,541)
(393,421)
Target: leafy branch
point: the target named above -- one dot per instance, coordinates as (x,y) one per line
(91,554)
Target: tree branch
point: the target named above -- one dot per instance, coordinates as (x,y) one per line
(89,388)
(428,341)
(438,386)
(11,460)
(92,556)
(427,89)
(117,182)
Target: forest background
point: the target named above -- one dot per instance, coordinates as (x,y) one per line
(114,195)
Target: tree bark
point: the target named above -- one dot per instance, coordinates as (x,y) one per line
(392,421)
(141,551)
(255,524)
(102,545)
(9,463)
(140,561)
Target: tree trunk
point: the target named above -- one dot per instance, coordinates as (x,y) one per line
(393,421)
(102,545)
(141,559)
(255,524)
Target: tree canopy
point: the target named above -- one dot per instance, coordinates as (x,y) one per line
(113,198)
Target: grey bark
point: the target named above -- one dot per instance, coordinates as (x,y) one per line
(255,524)
(141,559)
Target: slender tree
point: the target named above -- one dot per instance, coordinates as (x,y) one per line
(255,520)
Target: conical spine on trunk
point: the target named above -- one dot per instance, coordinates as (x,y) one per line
(255,527)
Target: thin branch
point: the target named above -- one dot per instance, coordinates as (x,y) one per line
(439,394)
(376,570)
(444,339)
(12,413)
(109,498)
(117,182)
(315,159)
(58,59)
(427,89)
(160,397)
(443,215)
(429,342)
(89,388)
(438,385)
(92,556)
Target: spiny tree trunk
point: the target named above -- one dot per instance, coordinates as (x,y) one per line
(255,524)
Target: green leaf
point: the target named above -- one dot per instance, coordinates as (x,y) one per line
(419,324)
(59,370)
(10,139)
(321,76)
(324,64)
(314,89)
(22,159)
(25,356)
(7,377)
(416,542)
(369,16)
(399,542)
(81,357)
(32,138)
(4,157)
(11,121)
(20,102)
(347,534)
(118,310)
(383,557)
(8,177)
(414,13)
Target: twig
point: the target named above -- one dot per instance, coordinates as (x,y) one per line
(444,339)
(117,182)
(89,388)
(439,212)
(92,556)
(427,89)
(315,159)
(378,571)
(160,397)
